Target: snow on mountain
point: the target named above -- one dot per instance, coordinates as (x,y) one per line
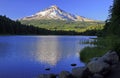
(55,12)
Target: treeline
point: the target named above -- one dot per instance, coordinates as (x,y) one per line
(112,26)
(10,27)
(111,32)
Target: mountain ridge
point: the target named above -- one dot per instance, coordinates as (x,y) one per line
(54,12)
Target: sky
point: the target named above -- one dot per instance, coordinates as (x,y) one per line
(93,9)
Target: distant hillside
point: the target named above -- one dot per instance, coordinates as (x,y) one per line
(77,26)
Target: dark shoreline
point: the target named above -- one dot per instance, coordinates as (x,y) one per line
(107,66)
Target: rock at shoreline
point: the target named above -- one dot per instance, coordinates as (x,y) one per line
(94,59)
(47,69)
(110,57)
(73,64)
(97,66)
(65,74)
(97,76)
(47,76)
(79,72)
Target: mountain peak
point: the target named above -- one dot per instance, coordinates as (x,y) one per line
(54,12)
(54,6)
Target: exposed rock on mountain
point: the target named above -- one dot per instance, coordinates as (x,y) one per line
(55,13)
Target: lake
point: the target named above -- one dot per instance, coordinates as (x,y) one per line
(29,56)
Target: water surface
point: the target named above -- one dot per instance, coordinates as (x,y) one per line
(29,56)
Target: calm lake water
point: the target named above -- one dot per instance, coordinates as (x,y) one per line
(29,56)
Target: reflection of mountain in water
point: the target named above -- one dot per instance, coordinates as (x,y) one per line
(44,49)
(51,49)
(47,50)
(28,56)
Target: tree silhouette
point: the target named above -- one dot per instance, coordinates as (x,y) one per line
(112,26)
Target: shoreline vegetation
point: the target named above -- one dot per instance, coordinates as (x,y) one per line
(102,45)
(110,35)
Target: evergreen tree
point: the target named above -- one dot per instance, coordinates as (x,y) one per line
(112,26)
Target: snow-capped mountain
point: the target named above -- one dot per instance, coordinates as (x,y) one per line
(55,12)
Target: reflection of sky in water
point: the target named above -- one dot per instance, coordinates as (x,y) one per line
(27,57)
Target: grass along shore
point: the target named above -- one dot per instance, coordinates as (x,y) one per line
(102,45)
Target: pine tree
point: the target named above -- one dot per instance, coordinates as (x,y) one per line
(113,23)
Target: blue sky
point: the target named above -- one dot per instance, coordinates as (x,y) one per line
(94,9)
